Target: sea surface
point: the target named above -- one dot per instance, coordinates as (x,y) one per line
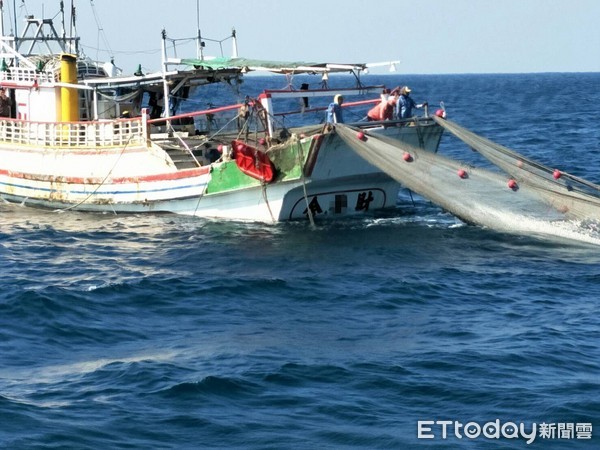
(168,332)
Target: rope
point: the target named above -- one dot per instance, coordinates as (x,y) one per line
(184,144)
(212,136)
(264,192)
(100,185)
(303,178)
(200,197)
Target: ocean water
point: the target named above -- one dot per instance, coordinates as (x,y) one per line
(168,332)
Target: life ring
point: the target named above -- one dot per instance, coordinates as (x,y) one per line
(253,162)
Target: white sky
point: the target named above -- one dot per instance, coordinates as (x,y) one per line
(427,36)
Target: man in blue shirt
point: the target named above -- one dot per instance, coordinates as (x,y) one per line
(406,104)
(334,110)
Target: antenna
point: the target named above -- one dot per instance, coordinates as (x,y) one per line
(198,14)
(62,21)
(199,44)
(72,29)
(15,16)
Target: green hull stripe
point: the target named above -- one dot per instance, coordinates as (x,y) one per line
(228,177)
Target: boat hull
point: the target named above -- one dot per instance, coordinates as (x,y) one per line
(331,181)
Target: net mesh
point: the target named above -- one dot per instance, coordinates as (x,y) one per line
(577,197)
(535,204)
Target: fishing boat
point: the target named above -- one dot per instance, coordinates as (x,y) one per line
(82,136)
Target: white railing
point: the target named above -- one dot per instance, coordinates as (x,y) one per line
(26,74)
(117,133)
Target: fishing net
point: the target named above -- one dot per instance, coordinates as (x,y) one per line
(577,197)
(477,195)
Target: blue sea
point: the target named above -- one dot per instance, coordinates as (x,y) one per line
(403,330)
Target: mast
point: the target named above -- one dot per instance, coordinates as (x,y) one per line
(234,39)
(165,68)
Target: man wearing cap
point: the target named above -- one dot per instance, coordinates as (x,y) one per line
(406,104)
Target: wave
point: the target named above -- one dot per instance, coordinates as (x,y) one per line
(212,385)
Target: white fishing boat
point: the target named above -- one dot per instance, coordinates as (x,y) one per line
(81,136)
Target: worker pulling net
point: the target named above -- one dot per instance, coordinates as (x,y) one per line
(474,195)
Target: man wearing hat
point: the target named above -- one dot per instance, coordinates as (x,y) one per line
(406,104)
(334,110)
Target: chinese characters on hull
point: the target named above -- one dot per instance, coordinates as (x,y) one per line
(363,202)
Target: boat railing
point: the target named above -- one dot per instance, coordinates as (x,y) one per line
(115,133)
(321,109)
(208,121)
(25,74)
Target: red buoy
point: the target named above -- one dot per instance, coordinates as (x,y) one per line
(557,174)
(407,157)
(360,136)
(512,184)
(462,173)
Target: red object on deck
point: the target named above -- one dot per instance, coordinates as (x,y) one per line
(512,184)
(557,174)
(253,162)
(407,157)
(360,136)
(462,173)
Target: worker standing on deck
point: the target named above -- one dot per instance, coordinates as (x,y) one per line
(384,110)
(5,104)
(406,104)
(334,110)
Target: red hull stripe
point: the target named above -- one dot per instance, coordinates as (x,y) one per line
(182,174)
(83,151)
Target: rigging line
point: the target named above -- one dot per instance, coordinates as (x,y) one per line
(419,131)
(183,143)
(264,191)
(122,52)
(60,211)
(181,39)
(202,194)
(101,33)
(245,129)
(472,137)
(72,26)
(197,163)
(212,136)
(303,178)
(200,197)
